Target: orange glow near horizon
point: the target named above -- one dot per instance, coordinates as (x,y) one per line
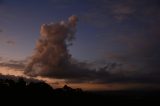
(58,83)
(113,86)
(10,71)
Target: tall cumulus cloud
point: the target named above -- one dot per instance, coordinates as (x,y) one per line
(51,49)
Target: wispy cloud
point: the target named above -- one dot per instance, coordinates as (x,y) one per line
(13,64)
(7,40)
(122,11)
(107,13)
(12,67)
(10,42)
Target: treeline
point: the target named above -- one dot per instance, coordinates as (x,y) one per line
(11,85)
(38,91)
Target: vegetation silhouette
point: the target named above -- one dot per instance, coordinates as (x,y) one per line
(21,87)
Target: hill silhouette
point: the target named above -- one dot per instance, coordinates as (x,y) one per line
(18,87)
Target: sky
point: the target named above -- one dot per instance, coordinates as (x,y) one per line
(116,43)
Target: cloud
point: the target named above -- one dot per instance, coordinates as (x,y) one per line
(139,49)
(1,58)
(134,9)
(52,59)
(107,13)
(136,60)
(10,42)
(51,50)
(122,11)
(7,40)
(139,56)
(16,78)
(13,64)
(113,73)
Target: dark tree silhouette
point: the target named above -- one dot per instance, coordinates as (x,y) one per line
(20,88)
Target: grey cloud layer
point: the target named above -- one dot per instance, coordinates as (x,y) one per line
(14,64)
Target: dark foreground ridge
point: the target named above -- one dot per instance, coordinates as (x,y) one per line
(21,88)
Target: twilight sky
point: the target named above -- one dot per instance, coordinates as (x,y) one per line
(116,43)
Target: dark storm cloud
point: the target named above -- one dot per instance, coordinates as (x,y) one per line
(111,73)
(138,43)
(139,46)
(139,55)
